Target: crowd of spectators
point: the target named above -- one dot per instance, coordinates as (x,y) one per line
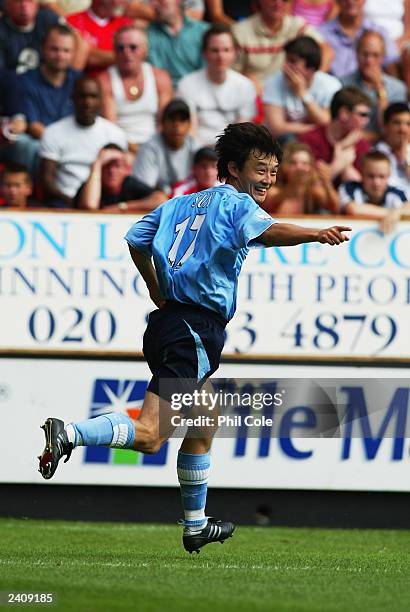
(114,105)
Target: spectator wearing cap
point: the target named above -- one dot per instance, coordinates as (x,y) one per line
(134,92)
(167,157)
(343,32)
(381,88)
(298,97)
(396,144)
(174,40)
(216,94)
(111,188)
(204,174)
(22,29)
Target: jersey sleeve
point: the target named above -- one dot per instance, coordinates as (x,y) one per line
(142,233)
(249,222)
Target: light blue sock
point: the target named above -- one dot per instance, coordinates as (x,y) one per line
(193,474)
(115,430)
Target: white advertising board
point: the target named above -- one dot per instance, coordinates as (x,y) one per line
(375,459)
(67,284)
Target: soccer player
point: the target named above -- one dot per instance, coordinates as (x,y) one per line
(198,243)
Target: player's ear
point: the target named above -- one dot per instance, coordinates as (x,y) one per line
(233,169)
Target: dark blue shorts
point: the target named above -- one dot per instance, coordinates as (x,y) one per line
(183,346)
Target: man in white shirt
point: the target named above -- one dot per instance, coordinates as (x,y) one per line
(69,146)
(216,94)
(297,97)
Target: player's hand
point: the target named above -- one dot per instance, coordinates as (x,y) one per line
(333,235)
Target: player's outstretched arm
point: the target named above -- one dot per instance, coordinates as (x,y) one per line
(148,273)
(288,234)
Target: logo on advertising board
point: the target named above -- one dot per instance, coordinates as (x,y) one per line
(126,396)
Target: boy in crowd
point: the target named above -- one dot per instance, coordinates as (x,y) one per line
(373,197)
(204,174)
(17,186)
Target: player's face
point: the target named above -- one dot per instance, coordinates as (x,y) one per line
(257,175)
(220,51)
(397,130)
(16,189)
(22,12)
(206,173)
(375,176)
(58,51)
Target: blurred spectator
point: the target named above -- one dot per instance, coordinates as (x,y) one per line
(373,197)
(343,33)
(298,96)
(12,122)
(46,91)
(314,12)
(228,11)
(167,157)
(204,174)
(17,186)
(216,94)
(370,78)
(144,10)
(111,188)
(66,7)
(396,145)
(97,26)
(341,144)
(22,29)
(175,40)
(134,92)
(303,186)
(262,36)
(70,146)
(393,15)
(406,66)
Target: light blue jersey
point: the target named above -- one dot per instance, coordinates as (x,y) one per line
(199,243)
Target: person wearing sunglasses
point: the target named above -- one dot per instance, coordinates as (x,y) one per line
(342,143)
(134,92)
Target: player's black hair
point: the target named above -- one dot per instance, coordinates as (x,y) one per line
(306,49)
(397,108)
(237,143)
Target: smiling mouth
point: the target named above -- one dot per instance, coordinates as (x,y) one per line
(260,190)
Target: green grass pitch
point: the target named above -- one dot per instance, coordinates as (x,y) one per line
(111,566)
